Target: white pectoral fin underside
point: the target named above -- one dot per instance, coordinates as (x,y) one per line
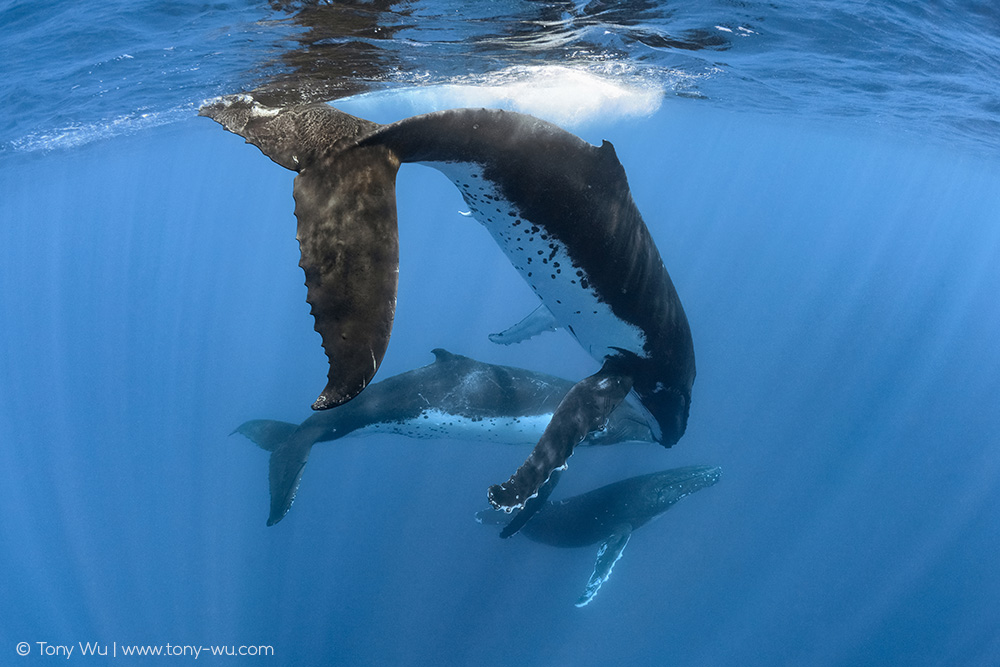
(538,321)
(609,553)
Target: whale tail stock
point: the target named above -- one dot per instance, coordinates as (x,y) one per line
(345,204)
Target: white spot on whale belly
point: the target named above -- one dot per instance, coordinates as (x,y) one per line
(547,266)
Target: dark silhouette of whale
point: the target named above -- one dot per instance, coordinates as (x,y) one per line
(453,397)
(609,515)
(561,210)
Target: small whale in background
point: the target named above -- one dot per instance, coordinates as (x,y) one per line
(559,207)
(609,515)
(453,397)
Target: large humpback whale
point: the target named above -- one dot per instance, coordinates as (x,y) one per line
(559,208)
(453,397)
(609,515)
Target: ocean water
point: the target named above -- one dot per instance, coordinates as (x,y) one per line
(822,180)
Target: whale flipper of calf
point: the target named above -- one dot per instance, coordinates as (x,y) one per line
(559,208)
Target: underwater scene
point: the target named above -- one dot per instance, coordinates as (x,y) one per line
(518,332)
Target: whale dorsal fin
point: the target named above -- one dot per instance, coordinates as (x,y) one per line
(609,553)
(441,354)
(538,321)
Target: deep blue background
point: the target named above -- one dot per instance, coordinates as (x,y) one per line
(842,291)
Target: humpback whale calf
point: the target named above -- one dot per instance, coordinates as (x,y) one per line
(453,397)
(559,207)
(609,515)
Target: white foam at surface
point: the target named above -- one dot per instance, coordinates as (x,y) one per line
(570,97)
(566,96)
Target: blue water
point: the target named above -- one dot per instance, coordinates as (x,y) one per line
(822,180)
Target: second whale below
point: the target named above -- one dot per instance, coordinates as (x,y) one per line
(453,397)
(609,515)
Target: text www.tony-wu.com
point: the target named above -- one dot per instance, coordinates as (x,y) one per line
(115,650)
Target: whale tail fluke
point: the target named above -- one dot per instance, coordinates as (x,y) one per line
(289,445)
(345,203)
(285,474)
(267,434)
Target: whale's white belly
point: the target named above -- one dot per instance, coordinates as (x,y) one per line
(547,266)
(432,423)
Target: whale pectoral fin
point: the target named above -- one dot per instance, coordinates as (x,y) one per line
(609,553)
(532,505)
(585,408)
(346,210)
(285,474)
(538,321)
(267,434)
(290,136)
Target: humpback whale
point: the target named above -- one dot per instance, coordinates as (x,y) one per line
(453,397)
(609,515)
(559,207)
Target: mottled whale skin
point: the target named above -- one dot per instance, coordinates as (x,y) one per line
(453,397)
(559,207)
(609,515)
